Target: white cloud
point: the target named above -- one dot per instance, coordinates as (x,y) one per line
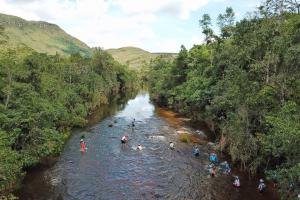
(179,8)
(109,23)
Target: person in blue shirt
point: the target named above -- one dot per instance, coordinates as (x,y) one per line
(225,167)
(213,158)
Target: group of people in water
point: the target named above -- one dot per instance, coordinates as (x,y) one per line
(213,167)
(125,138)
(225,169)
(261,186)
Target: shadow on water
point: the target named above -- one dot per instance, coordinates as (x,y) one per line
(112,171)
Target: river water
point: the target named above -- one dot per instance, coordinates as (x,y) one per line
(112,171)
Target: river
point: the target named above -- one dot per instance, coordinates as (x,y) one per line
(111,171)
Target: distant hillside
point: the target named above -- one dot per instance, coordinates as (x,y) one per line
(136,57)
(40,36)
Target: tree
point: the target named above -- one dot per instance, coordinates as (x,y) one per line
(226,22)
(205,24)
(278,7)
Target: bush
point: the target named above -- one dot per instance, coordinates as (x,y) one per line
(184,137)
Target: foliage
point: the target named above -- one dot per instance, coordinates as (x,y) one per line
(245,83)
(184,137)
(43,96)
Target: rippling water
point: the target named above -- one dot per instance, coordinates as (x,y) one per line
(111,171)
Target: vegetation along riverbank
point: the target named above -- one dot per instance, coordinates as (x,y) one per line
(43,96)
(245,83)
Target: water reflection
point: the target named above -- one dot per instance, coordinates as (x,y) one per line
(138,108)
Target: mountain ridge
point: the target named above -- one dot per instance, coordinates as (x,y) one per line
(136,57)
(43,37)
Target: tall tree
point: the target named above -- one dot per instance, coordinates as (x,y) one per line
(226,22)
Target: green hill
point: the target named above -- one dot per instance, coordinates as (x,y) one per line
(136,57)
(40,36)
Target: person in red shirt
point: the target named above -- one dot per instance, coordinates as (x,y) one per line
(82,146)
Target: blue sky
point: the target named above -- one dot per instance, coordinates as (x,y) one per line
(154,25)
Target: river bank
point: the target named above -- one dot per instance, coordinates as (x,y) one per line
(109,170)
(202,134)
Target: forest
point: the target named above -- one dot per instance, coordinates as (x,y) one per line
(245,83)
(42,97)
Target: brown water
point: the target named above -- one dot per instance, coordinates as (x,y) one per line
(111,171)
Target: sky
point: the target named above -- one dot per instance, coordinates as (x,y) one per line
(154,25)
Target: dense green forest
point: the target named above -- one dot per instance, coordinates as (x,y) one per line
(43,96)
(245,83)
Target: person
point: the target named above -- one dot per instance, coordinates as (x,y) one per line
(225,167)
(213,158)
(139,147)
(133,123)
(82,146)
(124,139)
(213,171)
(172,146)
(262,186)
(196,151)
(236,182)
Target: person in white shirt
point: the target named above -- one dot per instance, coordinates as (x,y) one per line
(262,186)
(139,147)
(172,146)
(236,182)
(124,139)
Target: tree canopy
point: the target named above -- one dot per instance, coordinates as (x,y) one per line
(245,84)
(42,97)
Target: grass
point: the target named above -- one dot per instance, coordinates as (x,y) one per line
(40,36)
(131,56)
(49,38)
(191,138)
(136,58)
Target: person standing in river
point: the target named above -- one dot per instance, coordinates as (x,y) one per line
(124,139)
(139,147)
(236,183)
(262,186)
(82,146)
(213,171)
(196,151)
(172,146)
(213,158)
(133,123)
